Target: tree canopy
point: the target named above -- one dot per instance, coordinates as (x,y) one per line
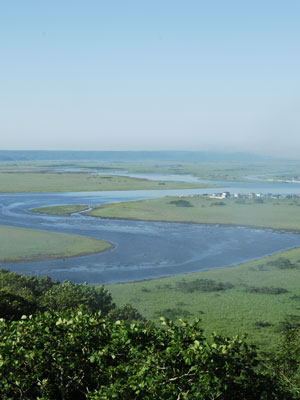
(78,354)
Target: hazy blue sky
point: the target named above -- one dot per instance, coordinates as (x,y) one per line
(149,74)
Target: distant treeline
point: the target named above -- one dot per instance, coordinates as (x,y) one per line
(117,156)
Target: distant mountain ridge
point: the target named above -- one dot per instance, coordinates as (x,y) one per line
(178,156)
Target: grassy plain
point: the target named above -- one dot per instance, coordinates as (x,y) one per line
(18,244)
(74,182)
(60,210)
(272,213)
(253,298)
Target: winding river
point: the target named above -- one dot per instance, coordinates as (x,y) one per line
(144,250)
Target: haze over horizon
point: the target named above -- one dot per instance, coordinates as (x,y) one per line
(132,75)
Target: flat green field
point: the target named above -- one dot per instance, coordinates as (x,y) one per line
(74,182)
(272,213)
(60,210)
(18,244)
(254,298)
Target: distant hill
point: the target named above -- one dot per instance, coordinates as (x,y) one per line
(177,156)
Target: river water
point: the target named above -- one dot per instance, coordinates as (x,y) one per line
(144,250)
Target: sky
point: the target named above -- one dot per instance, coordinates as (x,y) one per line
(150,75)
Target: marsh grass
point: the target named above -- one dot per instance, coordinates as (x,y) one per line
(229,311)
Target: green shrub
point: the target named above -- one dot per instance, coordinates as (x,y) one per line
(282,263)
(202,285)
(262,324)
(266,290)
(181,203)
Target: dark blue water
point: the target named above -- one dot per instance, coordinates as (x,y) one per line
(144,250)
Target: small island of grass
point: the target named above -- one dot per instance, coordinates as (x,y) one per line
(19,244)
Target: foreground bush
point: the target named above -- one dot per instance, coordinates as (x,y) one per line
(80,355)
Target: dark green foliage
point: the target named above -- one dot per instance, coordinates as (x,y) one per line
(25,285)
(79,355)
(202,285)
(181,203)
(266,290)
(20,294)
(289,323)
(295,297)
(282,263)
(125,313)
(13,306)
(26,294)
(70,295)
(218,203)
(262,324)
